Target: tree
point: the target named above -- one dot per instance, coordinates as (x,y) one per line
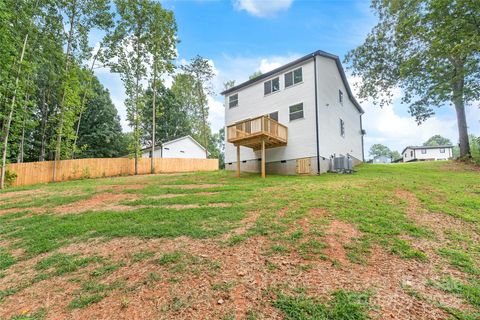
(128,55)
(217,147)
(255,75)
(228,84)
(26,20)
(430,50)
(201,72)
(162,44)
(378,150)
(394,155)
(437,140)
(173,118)
(100,134)
(81,16)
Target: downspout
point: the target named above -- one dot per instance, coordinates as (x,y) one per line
(316,112)
(361,131)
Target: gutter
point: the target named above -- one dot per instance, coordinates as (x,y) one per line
(316,112)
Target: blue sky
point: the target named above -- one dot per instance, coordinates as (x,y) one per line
(244,36)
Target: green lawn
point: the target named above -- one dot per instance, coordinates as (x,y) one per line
(418,221)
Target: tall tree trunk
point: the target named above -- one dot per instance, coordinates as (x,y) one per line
(43,127)
(204,120)
(457,89)
(462,127)
(84,99)
(137,87)
(154,106)
(62,103)
(6,128)
(22,138)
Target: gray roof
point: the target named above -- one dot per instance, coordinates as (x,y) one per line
(427,147)
(293,63)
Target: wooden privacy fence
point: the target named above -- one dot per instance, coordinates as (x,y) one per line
(42,172)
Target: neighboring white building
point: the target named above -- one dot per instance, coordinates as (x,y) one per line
(184,147)
(382,159)
(312,99)
(427,153)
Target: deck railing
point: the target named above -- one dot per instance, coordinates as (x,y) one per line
(258,126)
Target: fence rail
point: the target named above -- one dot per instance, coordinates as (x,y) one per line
(42,172)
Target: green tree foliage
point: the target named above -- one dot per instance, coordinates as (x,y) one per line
(437,140)
(128,44)
(172,118)
(378,150)
(430,50)
(255,75)
(200,74)
(100,132)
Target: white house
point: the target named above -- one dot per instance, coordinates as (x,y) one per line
(382,159)
(427,153)
(302,114)
(184,147)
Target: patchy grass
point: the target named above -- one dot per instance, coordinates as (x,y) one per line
(343,305)
(275,231)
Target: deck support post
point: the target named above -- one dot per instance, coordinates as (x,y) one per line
(238,161)
(263,158)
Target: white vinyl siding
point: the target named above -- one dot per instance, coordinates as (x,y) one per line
(296,111)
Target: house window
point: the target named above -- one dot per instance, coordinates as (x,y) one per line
(293,77)
(424,151)
(342,128)
(411,153)
(340,96)
(166,148)
(442,150)
(296,111)
(181,151)
(274,116)
(233,100)
(271,86)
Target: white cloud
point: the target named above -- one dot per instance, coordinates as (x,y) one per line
(263,8)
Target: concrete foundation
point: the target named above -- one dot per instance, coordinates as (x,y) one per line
(285,167)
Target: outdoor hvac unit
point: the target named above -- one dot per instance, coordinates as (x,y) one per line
(341,164)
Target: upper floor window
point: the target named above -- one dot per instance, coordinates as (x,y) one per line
(293,77)
(233,100)
(342,128)
(296,111)
(424,151)
(340,96)
(442,150)
(271,86)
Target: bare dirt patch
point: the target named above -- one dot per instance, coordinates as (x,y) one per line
(103,201)
(195,205)
(190,186)
(435,221)
(336,237)
(121,187)
(190,294)
(14,194)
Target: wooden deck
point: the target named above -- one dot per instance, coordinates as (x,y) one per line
(251,132)
(258,133)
